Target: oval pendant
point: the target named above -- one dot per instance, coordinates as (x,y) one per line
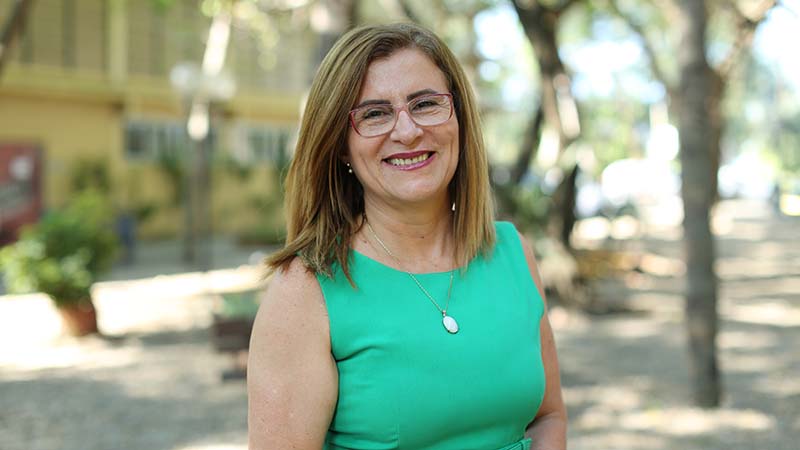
(450,324)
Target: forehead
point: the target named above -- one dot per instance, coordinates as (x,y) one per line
(401,73)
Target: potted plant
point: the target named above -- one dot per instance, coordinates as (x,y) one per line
(62,256)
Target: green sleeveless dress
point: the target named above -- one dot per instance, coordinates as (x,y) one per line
(406,383)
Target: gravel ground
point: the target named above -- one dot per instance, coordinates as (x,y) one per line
(153,391)
(626,375)
(154,381)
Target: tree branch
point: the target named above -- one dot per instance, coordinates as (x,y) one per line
(564,7)
(647,45)
(530,145)
(745,30)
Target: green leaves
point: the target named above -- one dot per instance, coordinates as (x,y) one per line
(63,254)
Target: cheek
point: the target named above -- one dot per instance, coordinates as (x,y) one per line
(356,148)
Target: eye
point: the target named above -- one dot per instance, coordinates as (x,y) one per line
(374,113)
(426,103)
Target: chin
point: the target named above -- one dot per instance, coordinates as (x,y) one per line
(416,195)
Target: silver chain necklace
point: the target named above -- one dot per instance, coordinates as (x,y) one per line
(449,323)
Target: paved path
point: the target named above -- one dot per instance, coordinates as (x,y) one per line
(152,383)
(626,375)
(155,383)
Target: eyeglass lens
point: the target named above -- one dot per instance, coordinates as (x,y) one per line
(429,110)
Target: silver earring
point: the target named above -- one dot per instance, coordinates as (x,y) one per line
(349,169)
(453,208)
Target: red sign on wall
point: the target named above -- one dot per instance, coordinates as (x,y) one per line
(20,188)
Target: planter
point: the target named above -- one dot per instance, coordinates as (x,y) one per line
(79,319)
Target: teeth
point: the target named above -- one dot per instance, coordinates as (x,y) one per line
(408,161)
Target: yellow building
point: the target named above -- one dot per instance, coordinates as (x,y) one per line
(88,83)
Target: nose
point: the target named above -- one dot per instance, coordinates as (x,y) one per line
(405,130)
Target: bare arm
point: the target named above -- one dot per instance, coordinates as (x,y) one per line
(292,381)
(549,427)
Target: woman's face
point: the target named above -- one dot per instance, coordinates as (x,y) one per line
(410,165)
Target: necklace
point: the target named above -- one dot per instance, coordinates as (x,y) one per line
(449,323)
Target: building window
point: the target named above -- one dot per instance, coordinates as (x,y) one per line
(151,140)
(137,141)
(268,144)
(64,33)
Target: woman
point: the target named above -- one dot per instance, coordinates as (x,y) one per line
(401,315)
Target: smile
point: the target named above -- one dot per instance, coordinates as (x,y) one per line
(406,162)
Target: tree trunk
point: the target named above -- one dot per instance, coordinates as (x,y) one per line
(696,141)
(13,29)
(541,27)
(564,198)
(717,124)
(530,143)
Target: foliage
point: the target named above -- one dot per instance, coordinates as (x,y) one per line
(763,113)
(615,129)
(527,203)
(174,169)
(238,168)
(144,211)
(162,6)
(270,229)
(90,174)
(63,254)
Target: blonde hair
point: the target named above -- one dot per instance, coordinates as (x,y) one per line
(324,203)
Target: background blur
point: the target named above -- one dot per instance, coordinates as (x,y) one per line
(142,148)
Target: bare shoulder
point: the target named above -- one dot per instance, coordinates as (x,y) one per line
(292,303)
(296,279)
(290,342)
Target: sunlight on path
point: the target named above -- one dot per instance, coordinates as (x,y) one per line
(626,375)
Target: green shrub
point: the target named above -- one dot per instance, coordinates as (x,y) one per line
(63,254)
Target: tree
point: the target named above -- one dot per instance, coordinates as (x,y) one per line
(557,108)
(696,138)
(696,98)
(12,29)
(745,23)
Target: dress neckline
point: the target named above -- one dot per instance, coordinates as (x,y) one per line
(362,256)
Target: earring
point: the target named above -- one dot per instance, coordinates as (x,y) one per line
(453,208)
(349,169)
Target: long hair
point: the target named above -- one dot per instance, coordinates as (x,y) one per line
(324,203)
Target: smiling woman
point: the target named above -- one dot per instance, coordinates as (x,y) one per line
(407,165)
(402,316)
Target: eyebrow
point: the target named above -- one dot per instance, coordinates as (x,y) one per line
(409,97)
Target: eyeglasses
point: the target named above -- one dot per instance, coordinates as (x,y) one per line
(425,111)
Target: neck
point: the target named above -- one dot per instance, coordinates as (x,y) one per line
(420,239)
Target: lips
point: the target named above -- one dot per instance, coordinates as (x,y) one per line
(408,160)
